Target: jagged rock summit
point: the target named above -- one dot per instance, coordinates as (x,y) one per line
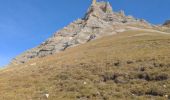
(100,20)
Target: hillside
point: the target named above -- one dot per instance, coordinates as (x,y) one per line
(131,65)
(105,55)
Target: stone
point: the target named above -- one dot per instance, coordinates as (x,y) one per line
(166,96)
(121,80)
(85,83)
(164,86)
(47,95)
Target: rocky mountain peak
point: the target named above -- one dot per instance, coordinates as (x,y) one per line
(100,20)
(100,9)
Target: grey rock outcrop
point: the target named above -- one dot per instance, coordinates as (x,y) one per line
(167,23)
(99,21)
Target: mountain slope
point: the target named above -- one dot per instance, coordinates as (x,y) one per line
(99,20)
(132,65)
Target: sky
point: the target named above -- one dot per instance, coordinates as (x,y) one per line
(24,24)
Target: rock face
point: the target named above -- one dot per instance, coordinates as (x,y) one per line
(99,21)
(167,23)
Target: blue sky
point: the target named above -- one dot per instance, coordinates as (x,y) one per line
(24,24)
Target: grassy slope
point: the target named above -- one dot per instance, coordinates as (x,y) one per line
(133,65)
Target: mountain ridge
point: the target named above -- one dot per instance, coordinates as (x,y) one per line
(98,20)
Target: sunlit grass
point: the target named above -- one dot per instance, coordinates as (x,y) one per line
(120,67)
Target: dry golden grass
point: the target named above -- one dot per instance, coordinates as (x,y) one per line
(133,65)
